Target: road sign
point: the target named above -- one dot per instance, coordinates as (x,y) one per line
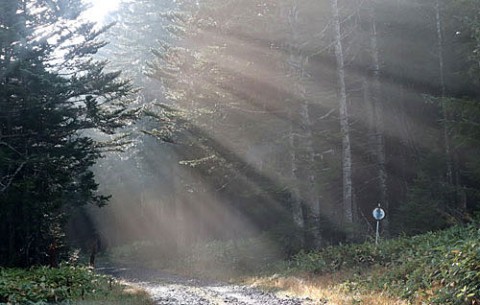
(378,214)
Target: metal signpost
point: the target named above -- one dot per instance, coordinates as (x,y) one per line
(378,214)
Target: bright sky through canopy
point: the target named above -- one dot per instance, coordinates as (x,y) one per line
(100,9)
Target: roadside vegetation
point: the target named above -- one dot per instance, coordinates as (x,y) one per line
(440,267)
(65,285)
(432,268)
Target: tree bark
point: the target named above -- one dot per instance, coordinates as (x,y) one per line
(297,65)
(379,126)
(441,68)
(296,204)
(344,117)
(295,200)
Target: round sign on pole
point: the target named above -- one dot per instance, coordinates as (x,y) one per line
(378,214)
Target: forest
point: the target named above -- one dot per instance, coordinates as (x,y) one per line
(277,124)
(294,119)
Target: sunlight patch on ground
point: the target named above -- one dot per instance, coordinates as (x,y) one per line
(325,288)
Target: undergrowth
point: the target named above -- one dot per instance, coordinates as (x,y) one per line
(433,268)
(213,259)
(236,258)
(64,285)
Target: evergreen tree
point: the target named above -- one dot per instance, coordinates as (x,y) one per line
(53,96)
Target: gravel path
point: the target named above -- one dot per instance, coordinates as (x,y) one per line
(167,289)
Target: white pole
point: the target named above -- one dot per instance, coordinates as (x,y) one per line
(377,235)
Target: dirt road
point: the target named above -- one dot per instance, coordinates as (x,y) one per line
(167,289)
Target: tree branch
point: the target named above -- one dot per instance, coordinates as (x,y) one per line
(9,178)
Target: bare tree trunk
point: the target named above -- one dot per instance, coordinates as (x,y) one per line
(176,209)
(378,107)
(441,67)
(296,204)
(297,64)
(311,195)
(344,118)
(452,173)
(452,176)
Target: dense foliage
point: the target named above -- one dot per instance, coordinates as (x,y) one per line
(67,285)
(53,96)
(48,285)
(436,268)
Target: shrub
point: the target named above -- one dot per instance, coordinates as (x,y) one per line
(42,284)
(440,268)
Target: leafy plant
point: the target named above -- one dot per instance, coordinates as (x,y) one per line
(437,268)
(41,285)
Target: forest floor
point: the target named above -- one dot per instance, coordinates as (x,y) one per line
(170,289)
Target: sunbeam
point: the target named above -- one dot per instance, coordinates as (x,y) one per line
(100,9)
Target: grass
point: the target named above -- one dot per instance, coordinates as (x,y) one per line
(120,294)
(325,289)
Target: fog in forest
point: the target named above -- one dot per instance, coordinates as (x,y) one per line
(239,151)
(283,124)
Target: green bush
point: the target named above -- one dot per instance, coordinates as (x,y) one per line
(460,275)
(442,267)
(42,284)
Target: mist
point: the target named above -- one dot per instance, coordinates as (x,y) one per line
(244,138)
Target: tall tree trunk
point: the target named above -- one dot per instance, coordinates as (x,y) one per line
(297,63)
(344,117)
(295,201)
(378,107)
(452,175)
(176,199)
(11,239)
(311,195)
(441,68)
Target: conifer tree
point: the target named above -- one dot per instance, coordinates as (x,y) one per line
(53,95)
